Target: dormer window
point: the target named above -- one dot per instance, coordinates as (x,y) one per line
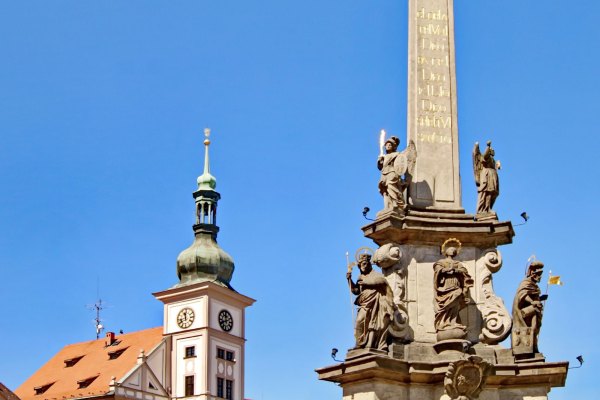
(83,383)
(72,361)
(42,388)
(113,355)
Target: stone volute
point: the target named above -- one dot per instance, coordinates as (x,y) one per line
(204,260)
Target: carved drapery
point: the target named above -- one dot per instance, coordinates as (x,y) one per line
(496,318)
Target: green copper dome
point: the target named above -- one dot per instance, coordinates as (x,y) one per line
(204,260)
(207,182)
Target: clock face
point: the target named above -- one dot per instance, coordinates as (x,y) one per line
(225,320)
(185,318)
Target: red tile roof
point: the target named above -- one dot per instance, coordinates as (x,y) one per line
(6,393)
(94,362)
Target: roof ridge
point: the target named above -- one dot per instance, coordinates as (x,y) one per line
(102,338)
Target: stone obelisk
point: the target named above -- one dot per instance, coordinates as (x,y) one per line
(432,115)
(438,349)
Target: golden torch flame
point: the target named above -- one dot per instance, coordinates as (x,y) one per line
(381,142)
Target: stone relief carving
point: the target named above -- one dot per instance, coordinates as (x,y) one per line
(496,318)
(388,256)
(396,172)
(465,379)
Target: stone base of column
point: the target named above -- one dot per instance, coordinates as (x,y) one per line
(376,377)
(433,227)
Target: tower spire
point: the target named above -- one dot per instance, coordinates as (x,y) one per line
(204,260)
(206,144)
(206,181)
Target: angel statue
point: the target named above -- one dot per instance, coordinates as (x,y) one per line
(486,178)
(396,172)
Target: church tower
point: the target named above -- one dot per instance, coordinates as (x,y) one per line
(203,315)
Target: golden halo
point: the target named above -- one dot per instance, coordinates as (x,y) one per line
(363,250)
(452,240)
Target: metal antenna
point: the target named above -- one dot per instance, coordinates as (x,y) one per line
(97,306)
(99,327)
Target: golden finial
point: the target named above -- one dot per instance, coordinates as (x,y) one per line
(206,134)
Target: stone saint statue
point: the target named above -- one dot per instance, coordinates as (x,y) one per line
(375,306)
(486,178)
(527,312)
(451,282)
(396,172)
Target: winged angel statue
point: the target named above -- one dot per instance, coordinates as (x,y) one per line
(396,172)
(486,178)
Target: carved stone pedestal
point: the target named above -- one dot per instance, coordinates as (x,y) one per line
(385,378)
(415,240)
(420,364)
(457,345)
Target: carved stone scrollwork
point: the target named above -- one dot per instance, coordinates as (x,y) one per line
(465,379)
(388,257)
(399,327)
(496,318)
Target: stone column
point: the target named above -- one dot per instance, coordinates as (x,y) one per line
(432,115)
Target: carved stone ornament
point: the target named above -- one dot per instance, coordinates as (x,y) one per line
(388,256)
(465,378)
(496,318)
(399,328)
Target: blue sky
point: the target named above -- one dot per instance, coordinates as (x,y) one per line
(101,116)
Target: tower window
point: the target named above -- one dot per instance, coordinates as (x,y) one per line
(189,385)
(190,351)
(220,384)
(229,389)
(220,353)
(225,354)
